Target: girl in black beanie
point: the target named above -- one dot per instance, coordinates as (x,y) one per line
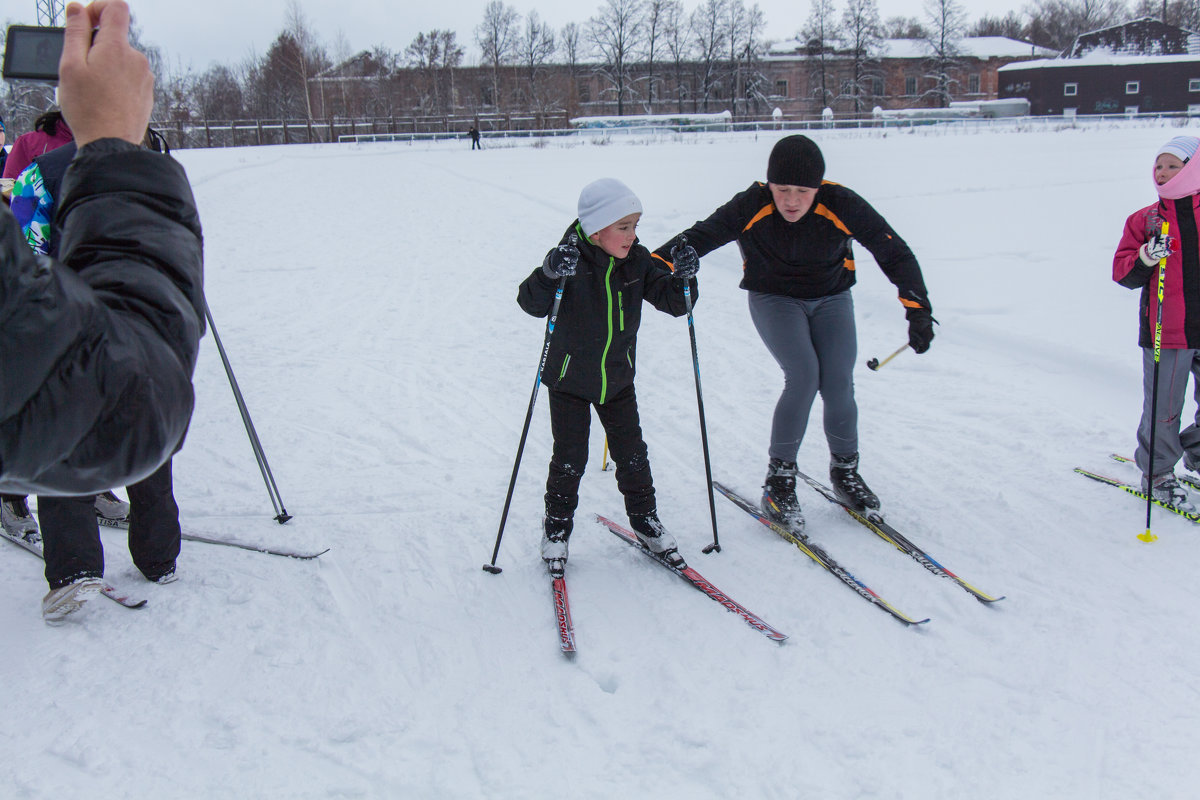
(795,233)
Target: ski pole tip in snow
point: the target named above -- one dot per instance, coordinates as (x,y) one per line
(1147,536)
(492,568)
(874,364)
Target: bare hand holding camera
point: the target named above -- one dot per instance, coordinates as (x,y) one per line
(106,88)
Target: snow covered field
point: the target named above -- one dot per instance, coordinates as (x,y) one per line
(366,297)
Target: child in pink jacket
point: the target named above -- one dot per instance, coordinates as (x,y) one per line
(1135,265)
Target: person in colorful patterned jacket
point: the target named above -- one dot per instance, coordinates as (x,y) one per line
(794,232)
(606,274)
(1135,266)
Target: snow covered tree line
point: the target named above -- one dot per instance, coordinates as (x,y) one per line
(633,45)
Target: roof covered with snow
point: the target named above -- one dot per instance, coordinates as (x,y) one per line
(971,46)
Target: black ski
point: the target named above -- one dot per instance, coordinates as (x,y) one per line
(191,537)
(818,554)
(874,522)
(108,590)
(695,579)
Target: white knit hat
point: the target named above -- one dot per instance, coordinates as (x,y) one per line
(603,202)
(1182,147)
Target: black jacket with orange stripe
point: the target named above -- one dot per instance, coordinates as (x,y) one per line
(811,257)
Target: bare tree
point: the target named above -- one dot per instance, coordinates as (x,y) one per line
(497,39)
(309,57)
(1180,13)
(219,94)
(535,49)
(864,40)
(1056,23)
(435,55)
(708,33)
(734,24)
(947,21)
(820,35)
(656,26)
(616,31)
(1010,25)
(903,28)
(754,82)
(677,34)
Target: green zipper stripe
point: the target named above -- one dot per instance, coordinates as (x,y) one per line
(608,341)
(566,361)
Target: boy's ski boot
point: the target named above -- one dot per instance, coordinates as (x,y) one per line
(849,485)
(61,603)
(1167,489)
(555,533)
(651,533)
(112,509)
(779,501)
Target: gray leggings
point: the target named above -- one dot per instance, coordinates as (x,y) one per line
(1174,366)
(815,344)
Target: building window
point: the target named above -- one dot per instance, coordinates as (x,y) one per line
(973,84)
(781,88)
(1194,84)
(1069,113)
(910,85)
(1132,87)
(1070,89)
(877,87)
(1131,110)
(1193,109)
(584,90)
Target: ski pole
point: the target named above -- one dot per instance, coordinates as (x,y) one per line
(604,463)
(875,363)
(281,515)
(712,506)
(1162,280)
(512,482)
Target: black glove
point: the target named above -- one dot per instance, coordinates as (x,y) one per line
(920,328)
(562,261)
(684,257)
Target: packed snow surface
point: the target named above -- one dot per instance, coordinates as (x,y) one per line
(366,297)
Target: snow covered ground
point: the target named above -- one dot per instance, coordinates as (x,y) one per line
(366,297)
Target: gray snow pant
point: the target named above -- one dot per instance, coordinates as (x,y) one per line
(815,344)
(1169,443)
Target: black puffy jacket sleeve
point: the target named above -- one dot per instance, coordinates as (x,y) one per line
(97,350)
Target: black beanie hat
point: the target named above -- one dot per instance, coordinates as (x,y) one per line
(796,161)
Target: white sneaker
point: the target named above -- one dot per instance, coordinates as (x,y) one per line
(60,603)
(17,521)
(109,506)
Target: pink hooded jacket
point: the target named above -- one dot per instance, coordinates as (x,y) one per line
(1179,201)
(29,146)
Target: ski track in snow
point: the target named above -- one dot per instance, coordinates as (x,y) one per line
(366,297)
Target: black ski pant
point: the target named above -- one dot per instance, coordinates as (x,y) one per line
(570,422)
(71,535)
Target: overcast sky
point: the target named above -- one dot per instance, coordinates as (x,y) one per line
(228,30)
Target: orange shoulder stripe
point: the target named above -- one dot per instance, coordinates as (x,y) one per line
(822,210)
(765,211)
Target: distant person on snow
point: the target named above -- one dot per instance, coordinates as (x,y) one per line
(1135,266)
(591,361)
(50,132)
(794,232)
(474,134)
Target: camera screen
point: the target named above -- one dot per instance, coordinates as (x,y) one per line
(32,52)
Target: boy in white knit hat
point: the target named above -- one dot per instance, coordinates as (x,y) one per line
(1144,247)
(605,274)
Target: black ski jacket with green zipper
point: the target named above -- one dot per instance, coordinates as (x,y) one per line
(593,346)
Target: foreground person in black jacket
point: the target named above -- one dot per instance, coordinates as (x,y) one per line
(606,274)
(97,350)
